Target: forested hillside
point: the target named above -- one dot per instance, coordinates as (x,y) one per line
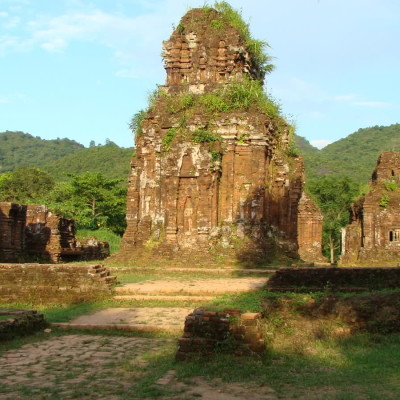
(18,148)
(62,157)
(354,156)
(110,160)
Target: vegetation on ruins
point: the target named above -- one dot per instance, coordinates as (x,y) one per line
(228,15)
(241,95)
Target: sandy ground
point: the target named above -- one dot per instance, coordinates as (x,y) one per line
(194,286)
(136,316)
(94,367)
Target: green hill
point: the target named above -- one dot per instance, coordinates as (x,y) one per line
(61,157)
(110,160)
(354,156)
(305,147)
(21,149)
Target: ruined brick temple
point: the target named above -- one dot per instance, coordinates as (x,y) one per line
(215,180)
(34,233)
(373,237)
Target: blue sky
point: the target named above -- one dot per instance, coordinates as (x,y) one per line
(80,69)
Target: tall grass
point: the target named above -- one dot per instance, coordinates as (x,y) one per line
(102,234)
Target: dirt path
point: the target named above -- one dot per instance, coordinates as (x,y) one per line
(195,286)
(156,316)
(95,367)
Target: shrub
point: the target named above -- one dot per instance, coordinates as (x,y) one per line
(203,136)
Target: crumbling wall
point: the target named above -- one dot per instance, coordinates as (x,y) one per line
(222,182)
(53,283)
(20,323)
(334,279)
(12,224)
(309,222)
(373,237)
(229,331)
(34,233)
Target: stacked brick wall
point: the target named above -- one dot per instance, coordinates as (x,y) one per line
(235,192)
(334,279)
(12,224)
(230,331)
(19,323)
(373,237)
(61,283)
(34,233)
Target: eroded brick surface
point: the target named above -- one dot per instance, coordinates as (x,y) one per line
(235,192)
(33,232)
(373,237)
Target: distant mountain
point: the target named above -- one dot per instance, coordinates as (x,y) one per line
(110,160)
(304,145)
(62,157)
(22,149)
(354,156)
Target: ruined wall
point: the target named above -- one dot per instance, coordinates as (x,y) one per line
(204,181)
(227,331)
(61,283)
(12,224)
(373,237)
(35,233)
(309,222)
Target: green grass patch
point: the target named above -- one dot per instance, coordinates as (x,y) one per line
(105,235)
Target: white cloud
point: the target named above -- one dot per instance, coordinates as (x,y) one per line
(346,97)
(320,143)
(135,41)
(373,104)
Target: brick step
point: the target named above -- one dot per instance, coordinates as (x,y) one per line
(164,297)
(121,327)
(303,289)
(108,279)
(208,271)
(103,273)
(193,287)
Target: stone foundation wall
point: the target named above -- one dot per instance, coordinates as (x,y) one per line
(59,283)
(34,233)
(230,331)
(334,279)
(20,323)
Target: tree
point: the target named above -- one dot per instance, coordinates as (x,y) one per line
(334,196)
(25,185)
(92,200)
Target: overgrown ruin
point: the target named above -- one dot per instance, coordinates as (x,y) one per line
(215,170)
(373,237)
(34,233)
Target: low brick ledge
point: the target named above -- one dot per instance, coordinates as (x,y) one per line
(121,327)
(229,331)
(21,322)
(340,279)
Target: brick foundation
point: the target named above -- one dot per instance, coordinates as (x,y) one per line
(20,323)
(60,283)
(334,279)
(207,332)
